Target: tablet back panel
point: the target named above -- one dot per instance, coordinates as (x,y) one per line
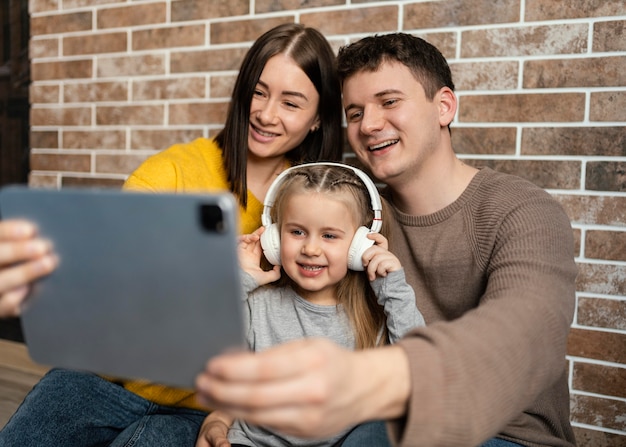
(147,285)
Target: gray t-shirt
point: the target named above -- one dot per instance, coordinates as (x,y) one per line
(278,315)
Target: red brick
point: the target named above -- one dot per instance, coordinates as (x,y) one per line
(35,6)
(76,69)
(91,182)
(95,91)
(129,114)
(600,210)
(134,15)
(44,181)
(72,4)
(599,379)
(601,313)
(375,19)
(44,93)
(586,72)
(173,88)
(437,14)
(63,116)
(244,30)
(548,174)
(147,64)
(94,139)
(207,60)
(577,241)
(597,411)
(572,9)
(61,23)
(262,6)
(606,176)
(96,43)
(609,36)
(114,164)
(597,345)
(484,140)
(485,75)
(608,106)
(221,86)
(179,36)
(161,139)
(198,113)
(183,10)
(526,41)
(44,139)
(43,48)
(604,279)
(530,107)
(594,438)
(608,245)
(445,42)
(60,162)
(590,141)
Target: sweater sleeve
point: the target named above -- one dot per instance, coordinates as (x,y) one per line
(499,368)
(398,301)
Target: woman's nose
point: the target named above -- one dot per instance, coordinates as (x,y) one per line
(267,112)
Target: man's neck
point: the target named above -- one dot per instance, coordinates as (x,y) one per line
(434,188)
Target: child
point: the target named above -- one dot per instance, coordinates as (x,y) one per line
(321,210)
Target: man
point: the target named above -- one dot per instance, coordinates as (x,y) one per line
(490,257)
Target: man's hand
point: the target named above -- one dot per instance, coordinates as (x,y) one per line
(309,387)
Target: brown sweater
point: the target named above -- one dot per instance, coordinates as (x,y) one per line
(493,275)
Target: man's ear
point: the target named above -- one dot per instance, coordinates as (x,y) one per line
(448,104)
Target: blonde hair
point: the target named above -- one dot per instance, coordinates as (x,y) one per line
(354,291)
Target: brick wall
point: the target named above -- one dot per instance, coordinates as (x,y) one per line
(542,87)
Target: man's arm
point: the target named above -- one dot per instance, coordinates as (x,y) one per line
(308,387)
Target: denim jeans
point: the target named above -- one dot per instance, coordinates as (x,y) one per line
(497,442)
(374,434)
(76,409)
(368,434)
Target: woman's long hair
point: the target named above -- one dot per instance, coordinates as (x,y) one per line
(354,291)
(312,53)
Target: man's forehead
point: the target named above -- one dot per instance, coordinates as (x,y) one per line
(388,77)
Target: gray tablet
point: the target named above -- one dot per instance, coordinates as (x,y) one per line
(147,287)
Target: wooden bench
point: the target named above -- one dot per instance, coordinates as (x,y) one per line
(18,374)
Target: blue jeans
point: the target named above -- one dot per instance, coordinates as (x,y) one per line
(374,434)
(76,409)
(497,442)
(368,434)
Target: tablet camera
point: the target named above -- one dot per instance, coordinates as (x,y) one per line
(212,218)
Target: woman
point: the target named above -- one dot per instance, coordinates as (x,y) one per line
(285,110)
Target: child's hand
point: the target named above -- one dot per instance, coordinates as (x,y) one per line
(378,260)
(249,251)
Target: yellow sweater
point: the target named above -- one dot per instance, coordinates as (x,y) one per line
(186,168)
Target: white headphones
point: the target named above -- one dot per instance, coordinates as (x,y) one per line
(270,239)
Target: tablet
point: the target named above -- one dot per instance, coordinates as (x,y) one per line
(148,285)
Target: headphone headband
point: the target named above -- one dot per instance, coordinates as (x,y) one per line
(270,197)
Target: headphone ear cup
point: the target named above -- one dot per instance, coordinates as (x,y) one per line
(359,244)
(270,242)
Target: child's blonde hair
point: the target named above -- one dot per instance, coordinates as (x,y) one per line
(354,291)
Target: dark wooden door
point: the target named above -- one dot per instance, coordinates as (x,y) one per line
(14,110)
(14,82)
